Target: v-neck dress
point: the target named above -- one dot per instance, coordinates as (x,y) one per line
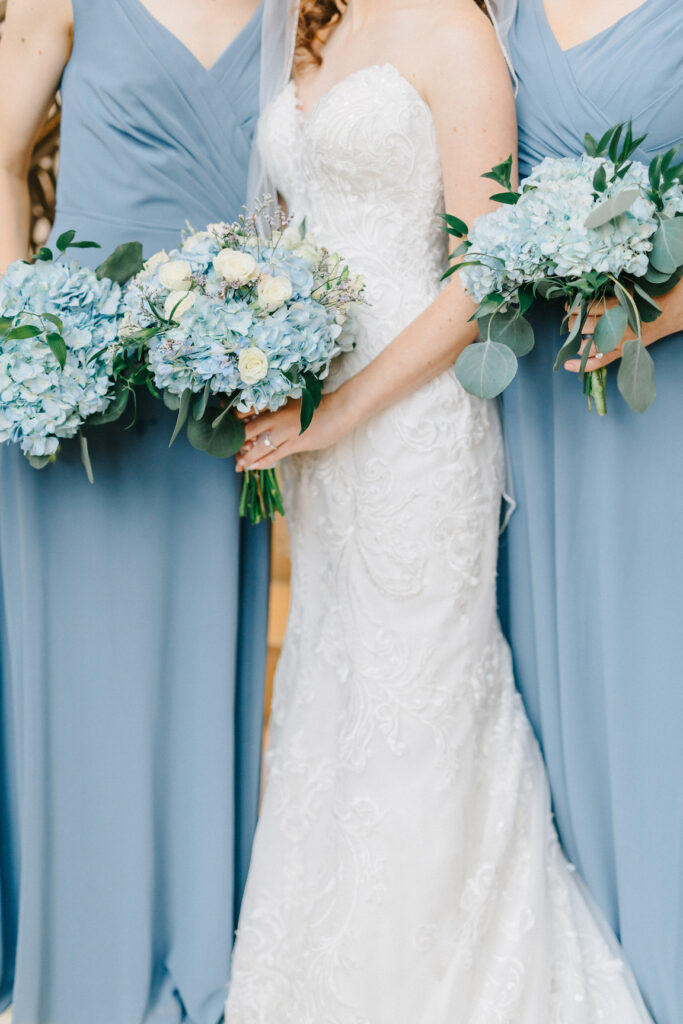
(592,562)
(133,635)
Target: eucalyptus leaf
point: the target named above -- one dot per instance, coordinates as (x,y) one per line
(85,245)
(656,276)
(222,441)
(228,411)
(548,289)
(114,411)
(85,458)
(647,307)
(670,281)
(610,329)
(5,323)
(486,368)
(667,246)
(183,412)
(199,407)
(125,262)
(572,345)
(39,461)
(613,207)
(627,304)
(44,254)
(58,347)
(636,377)
(512,330)
(170,400)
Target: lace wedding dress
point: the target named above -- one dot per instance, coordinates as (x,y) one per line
(406,867)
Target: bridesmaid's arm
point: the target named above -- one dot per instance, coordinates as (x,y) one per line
(474,113)
(35,46)
(670,322)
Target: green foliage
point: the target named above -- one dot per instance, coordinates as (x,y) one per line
(502,174)
(667,250)
(123,264)
(221,438)
(58,347)
(455,226)
(486,368)
(636,377)
(183,413)
(511,329)
(610,329)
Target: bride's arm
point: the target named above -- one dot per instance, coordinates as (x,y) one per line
(466,83)
(35,46)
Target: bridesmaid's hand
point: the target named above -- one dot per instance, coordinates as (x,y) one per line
(273,436)
(668,323)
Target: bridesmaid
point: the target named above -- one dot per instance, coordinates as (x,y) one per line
(133,635)
(592,563)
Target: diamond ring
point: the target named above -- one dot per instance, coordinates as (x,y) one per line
(266,440)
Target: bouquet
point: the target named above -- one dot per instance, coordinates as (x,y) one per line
(59,350)
(585,230)
(241,319)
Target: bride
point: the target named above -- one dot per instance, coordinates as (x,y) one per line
(406,867)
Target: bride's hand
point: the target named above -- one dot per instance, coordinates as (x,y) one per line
(273,436)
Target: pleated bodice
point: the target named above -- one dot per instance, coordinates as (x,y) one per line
(620,73)
(152,139)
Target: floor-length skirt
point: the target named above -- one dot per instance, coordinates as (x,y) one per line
(132,660)
(591,593)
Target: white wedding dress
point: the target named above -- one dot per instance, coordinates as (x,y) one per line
(406,868)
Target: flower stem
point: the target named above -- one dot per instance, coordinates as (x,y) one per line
(261,496)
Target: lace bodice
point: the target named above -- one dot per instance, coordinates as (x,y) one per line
(367,180)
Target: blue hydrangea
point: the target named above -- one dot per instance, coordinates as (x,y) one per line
(245,315)
(39,402)
(545,233)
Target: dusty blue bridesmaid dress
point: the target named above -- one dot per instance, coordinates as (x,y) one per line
(133,635)
(592,563)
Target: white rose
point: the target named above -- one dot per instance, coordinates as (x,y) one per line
(252,364)
(156,261)
(235,267)
(273,292)
(176,275)
(183,300)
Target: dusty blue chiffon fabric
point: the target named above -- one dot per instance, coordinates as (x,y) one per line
(592,563)
(133,633)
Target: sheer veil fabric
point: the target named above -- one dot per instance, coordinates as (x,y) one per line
(280,18)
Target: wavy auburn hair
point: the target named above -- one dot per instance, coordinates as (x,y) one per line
(317,18)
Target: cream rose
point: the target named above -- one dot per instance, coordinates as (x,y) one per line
(273,292)
(183,300)
(156,261)
(235,267)
(252,364)
(176,275)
